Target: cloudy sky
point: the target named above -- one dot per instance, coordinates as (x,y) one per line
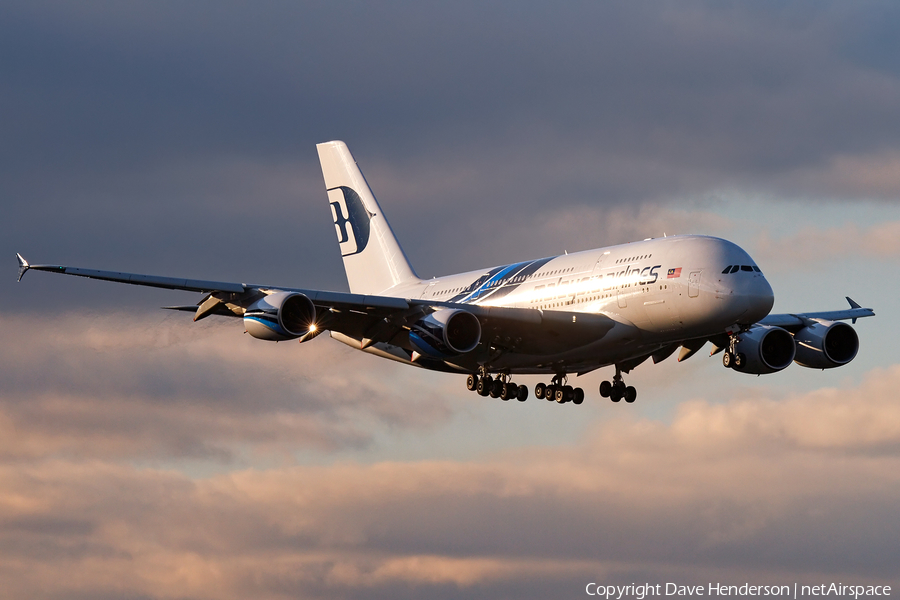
(145,456)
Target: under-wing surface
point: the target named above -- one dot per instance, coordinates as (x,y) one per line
(617,306)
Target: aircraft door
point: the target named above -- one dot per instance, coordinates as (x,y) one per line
(596,281)
(429,289)
(694,284)
(599,264)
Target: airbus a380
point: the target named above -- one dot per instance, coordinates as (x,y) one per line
(571,314)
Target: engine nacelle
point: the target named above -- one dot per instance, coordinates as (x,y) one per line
(281,316)
(764,349)
(446,332)
(826,344)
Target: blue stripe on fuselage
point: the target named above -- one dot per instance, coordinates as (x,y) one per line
(487,288)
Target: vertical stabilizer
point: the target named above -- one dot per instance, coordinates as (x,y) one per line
(373,259)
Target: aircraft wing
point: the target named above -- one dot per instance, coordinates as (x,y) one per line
(795,322)
(368,318)
(357,315)
(169,283)
(329,299)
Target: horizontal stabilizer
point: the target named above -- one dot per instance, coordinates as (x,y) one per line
(182,308)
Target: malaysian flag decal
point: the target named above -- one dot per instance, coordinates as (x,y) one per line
(674,273)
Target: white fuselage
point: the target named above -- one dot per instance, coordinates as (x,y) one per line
(657,291)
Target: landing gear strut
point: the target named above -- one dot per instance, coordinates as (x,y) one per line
(617,390)
(732,359)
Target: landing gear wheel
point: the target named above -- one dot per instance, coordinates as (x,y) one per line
(505,391)
(605,389)
(484,385)
(578,396)
(630,394)
(739,361)
(550,394)
(727,359)
(560,395)
(615,394)
(539,391)
(472,383)
(522,393)
(496,388)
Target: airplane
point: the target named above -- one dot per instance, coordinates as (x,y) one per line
(617,306)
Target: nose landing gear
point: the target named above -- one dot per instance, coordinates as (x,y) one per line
(617,390)
(731,359)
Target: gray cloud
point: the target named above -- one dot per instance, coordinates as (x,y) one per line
(144,388)
(153,133)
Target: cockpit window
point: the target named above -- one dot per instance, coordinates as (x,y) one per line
(735,268)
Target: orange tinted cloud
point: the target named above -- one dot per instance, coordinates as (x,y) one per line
(812,245)
(161,386)
(749,489)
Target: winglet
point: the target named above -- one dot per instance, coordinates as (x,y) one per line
(23,266)
(852,305)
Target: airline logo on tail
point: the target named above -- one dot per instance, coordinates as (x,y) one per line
(351,220)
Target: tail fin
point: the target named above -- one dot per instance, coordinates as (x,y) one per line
(373,260)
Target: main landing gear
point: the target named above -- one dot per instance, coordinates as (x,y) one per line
(617,390)
(559,391)
(501,387)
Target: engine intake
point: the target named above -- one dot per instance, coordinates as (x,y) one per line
(446,332)
(281,316)
(765,349)
(826,344)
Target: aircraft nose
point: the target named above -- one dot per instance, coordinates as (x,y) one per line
(760,298)
(748,298)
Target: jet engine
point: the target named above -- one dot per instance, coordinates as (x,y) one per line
(826,344)
(446,332)
(281,316)
(764,349)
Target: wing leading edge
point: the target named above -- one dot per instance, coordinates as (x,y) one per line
(794,322)
(330,299)
(169,283)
